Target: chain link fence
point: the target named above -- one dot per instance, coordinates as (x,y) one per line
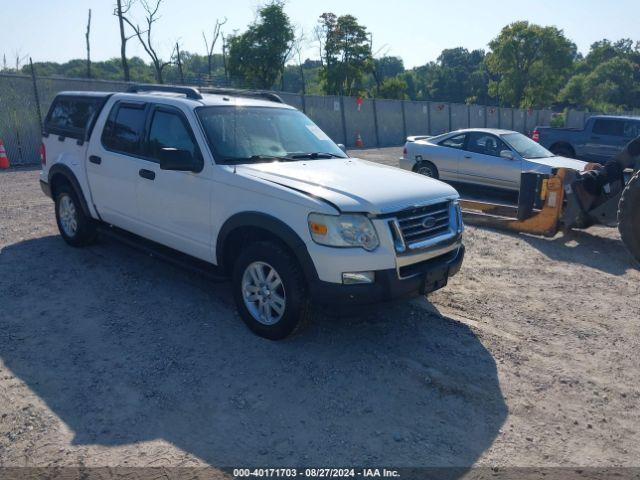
(374,122)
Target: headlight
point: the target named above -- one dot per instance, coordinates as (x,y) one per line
(349,230)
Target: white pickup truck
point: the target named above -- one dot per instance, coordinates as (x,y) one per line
(252,186)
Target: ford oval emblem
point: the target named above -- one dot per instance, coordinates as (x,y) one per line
(429,222)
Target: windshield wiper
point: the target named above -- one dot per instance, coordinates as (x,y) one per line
(315,155)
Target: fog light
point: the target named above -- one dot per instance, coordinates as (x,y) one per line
(351,278)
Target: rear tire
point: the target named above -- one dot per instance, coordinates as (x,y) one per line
(427,169)
(76,228)
(629,216)
(270,290)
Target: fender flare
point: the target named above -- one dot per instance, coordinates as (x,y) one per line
(274,226)
(67,173)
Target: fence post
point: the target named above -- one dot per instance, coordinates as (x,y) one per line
(449,105)
(35,93)
(429,117)
(344,121)
(375,122)
(468,116)
(404,121)
(304,103)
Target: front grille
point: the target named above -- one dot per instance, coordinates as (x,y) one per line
(424,223)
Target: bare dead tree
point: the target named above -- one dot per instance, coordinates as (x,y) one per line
(17,54)
(298,46)
(224,58)
(145,36)
(86,36)
(4,62)
(179,63)
(319,34)
(210,45)
(121,10)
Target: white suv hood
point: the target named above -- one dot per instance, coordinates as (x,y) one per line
(353,185)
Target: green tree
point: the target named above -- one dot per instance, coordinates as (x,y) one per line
(394,88)
(607,79)
(257,57)
(346,54)
(530,62)
(459,76)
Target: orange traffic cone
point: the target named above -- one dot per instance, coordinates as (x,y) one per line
(359,142)
(4,160)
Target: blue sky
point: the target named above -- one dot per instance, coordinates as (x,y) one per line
(416,30)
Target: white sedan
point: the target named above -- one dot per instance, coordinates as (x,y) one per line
(481,156)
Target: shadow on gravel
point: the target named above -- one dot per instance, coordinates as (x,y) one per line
(124,349)
(581,247)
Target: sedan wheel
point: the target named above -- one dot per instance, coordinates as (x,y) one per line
(427,169)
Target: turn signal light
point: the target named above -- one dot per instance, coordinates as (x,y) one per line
(318,228)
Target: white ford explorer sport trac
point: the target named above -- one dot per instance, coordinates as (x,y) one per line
(252,186)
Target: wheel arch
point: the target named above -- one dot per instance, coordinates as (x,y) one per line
(245,227)
(59,174)
(563,144)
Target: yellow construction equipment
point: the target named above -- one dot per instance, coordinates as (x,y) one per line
(602,194)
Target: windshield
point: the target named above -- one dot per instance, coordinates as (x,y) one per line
(526,147)
(254,134)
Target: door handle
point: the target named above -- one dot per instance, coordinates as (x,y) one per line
(468,156)
(148,174)
(95,159)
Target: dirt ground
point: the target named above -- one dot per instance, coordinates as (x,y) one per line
(529,357)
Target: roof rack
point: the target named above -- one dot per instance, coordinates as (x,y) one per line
(189,92)
(234,92)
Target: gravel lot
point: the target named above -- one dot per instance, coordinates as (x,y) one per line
(111,358)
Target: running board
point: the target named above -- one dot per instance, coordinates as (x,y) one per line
(163,253)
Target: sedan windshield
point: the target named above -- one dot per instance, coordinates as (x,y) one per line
(526,147)
(260,134)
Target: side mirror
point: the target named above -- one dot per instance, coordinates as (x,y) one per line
(342,147)
(508,154)
(179,160)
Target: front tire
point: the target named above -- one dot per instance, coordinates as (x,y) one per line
(629,216)
(76,228)
(270,290)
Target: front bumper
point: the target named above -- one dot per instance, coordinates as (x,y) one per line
(426,277)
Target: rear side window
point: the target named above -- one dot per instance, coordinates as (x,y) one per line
(485,144)
(71,116)
(124,129)
(604,126)
(454,142)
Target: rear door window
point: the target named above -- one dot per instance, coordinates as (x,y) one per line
(604,126)
(124,129)
(72,116)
